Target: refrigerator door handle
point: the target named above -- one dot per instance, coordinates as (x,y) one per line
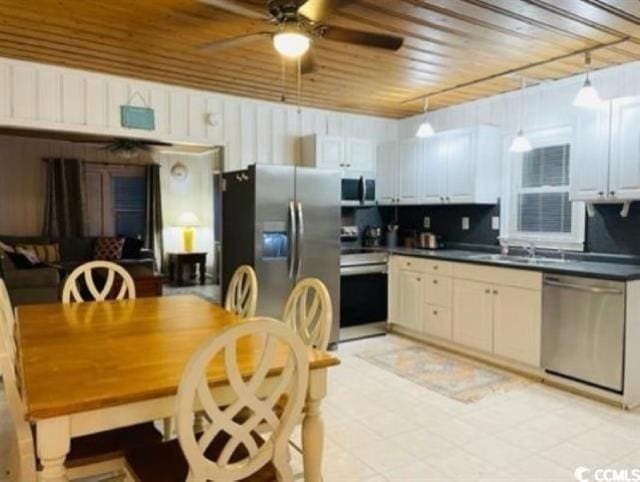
(299,239)
(363,190)
(292,240)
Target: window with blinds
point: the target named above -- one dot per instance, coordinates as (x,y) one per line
(129,205)
(543,204)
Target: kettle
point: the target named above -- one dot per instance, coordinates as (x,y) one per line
(428,240)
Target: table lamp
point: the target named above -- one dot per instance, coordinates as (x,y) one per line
(188,221)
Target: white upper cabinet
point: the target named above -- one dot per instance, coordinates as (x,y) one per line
(462,166)
(607,162)
(351,156)
(624,182)
(386,173)
(434,170)
(408,166)
(589,168)
(324,152)
(361,155)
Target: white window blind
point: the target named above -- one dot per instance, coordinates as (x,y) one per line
(536,205)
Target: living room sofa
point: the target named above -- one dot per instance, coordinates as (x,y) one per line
(42,284)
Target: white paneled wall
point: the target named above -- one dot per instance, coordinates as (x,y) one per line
(546,105)
(48,97)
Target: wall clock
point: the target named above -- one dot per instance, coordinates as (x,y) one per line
(179,171)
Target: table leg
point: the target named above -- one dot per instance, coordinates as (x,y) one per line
(53,446)
(313,427)
(180,272)
(172,273)
(202,272)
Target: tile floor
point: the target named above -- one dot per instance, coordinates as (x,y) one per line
(383,428)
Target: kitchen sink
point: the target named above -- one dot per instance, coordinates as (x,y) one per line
(506,258)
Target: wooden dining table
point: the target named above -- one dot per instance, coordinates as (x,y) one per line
(96,366)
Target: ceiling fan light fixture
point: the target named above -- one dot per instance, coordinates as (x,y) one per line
(520,143)
(291,43)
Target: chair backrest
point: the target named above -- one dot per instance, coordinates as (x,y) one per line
(309,312)
(71,290)
(261,395)
(7,323)
(242,294)
(22,459)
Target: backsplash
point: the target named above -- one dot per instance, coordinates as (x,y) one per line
(606,232)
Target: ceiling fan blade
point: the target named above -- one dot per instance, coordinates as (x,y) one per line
(232,42)
(319,10)
(233,7)
(308,63)
(368,39)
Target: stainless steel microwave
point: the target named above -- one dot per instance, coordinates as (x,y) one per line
(358,192)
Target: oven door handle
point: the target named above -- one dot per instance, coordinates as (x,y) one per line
(358,270)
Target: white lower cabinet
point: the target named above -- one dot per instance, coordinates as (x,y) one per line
(516,324)
(473,314)
(409,308)
(494,310)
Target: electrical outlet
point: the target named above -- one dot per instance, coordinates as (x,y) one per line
(465,224)
(427,222)
(495,223)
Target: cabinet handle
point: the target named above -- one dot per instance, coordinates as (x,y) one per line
(435,312)
(495,292)
(612,193)
(487,291)
(435,267)
(419,279)
(435,281)
(600,193)
(408,264)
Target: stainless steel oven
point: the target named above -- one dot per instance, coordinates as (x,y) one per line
(358,192)
(363,287)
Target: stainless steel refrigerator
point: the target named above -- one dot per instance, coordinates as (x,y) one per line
(285,222)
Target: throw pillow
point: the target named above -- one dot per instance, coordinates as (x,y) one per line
(47,253)
(29,254)
(108,249)
(5,248)
(131,248)
(21,261)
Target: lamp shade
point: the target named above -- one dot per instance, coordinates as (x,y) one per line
(188,218)
(587,97)
(520,143)
(425,130)
(291,44)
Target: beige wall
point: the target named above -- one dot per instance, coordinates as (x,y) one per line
(22,178)
(194,194)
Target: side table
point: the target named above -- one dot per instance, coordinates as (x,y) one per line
(177,262)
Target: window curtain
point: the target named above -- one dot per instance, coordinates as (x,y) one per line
(153,231)
(65,204)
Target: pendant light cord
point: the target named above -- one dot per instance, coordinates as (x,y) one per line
(522,87)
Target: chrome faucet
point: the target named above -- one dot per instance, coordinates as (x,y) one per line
(531,250)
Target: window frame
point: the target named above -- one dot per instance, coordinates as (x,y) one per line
(511,188)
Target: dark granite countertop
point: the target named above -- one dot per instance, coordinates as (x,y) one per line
(590,269)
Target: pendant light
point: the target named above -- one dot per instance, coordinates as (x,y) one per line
(425,129)
(520,142)
(587,96)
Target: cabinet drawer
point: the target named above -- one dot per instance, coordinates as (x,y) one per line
(429,266)
(437,321)
(437,290)
(519,278)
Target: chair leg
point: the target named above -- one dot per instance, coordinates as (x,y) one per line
(167,428)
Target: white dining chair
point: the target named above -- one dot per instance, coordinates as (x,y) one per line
(89,456)
(230,448)
(242,293)
(71,292)
(309,312)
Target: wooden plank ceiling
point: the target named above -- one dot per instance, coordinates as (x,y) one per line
(447,43)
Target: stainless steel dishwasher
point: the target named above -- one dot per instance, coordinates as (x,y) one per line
(583,326)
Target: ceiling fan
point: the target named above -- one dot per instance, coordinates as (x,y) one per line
(298,23)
